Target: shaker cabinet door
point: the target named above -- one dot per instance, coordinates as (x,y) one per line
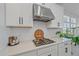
(27,14)
(12,14)
(54,50)
(75,50)
(64,50)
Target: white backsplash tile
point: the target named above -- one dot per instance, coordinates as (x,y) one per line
(28,33)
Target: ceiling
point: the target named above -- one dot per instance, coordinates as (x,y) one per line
(71,7)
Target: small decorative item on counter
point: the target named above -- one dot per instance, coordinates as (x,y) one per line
(39,35)
(40,39)
(12,41)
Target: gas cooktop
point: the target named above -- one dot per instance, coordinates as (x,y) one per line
(44,42)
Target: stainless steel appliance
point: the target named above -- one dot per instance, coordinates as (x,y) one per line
(41,13)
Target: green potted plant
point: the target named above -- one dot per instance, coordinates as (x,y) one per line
(65,35)
(73,38)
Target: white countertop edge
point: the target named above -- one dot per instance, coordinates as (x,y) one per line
(29,49)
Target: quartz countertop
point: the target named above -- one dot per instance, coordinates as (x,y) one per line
(25,46)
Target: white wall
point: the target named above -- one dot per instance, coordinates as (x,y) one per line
(3,30)
(22,33)
(58,12)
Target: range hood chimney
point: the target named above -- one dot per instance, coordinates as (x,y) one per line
(41,13)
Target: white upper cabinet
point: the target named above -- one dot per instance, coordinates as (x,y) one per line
(19,15)
(12,14)
(58,12)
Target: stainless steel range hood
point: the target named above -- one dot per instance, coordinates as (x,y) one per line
(41,13)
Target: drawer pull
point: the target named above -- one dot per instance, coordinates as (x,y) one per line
(66,50)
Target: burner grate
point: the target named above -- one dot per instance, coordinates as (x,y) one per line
(44,42)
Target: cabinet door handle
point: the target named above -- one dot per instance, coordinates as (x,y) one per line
(66,50)
(49,55)
(19,20)
(22,20)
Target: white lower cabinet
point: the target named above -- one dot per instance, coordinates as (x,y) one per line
(44,51)
(75,50)
(48,51)
(64,49)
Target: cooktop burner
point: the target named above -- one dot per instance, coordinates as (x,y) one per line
(44,42)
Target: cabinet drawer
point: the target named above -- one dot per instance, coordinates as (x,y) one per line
(46,54)
(54,50)
(64,44)
(64,51)
(44,50)
(31,53)
(67,43)
(54,47)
